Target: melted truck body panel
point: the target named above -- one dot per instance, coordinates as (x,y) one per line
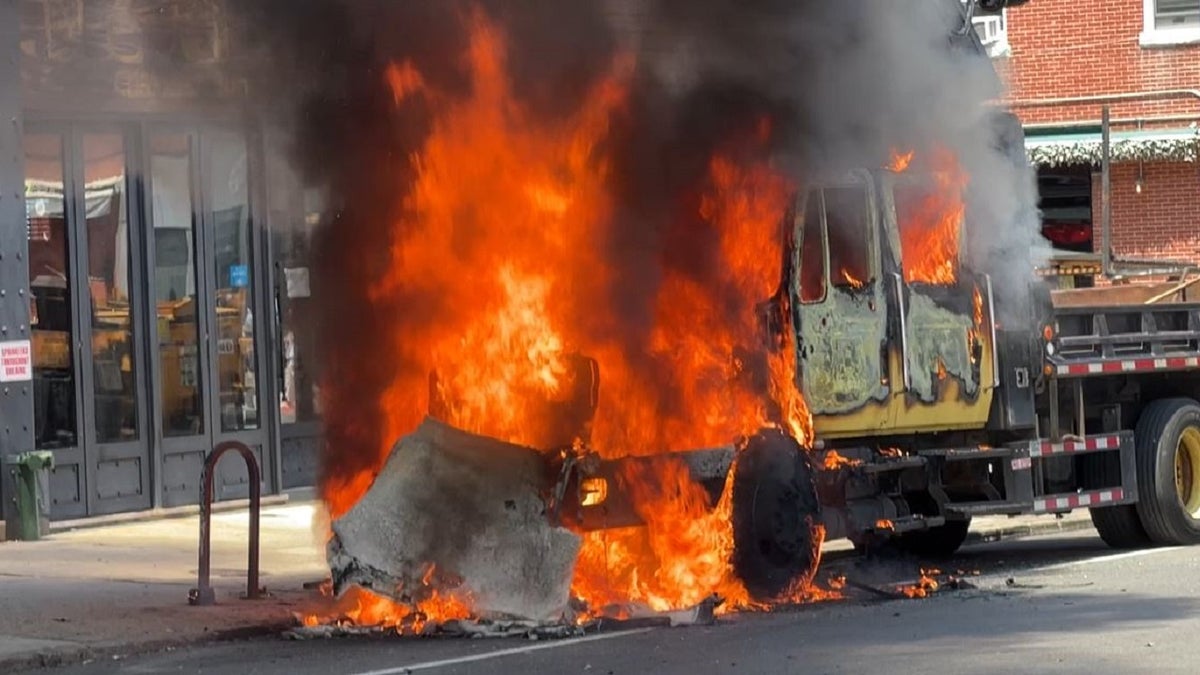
(878,356)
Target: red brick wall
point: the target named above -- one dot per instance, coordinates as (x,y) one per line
(1163,221)
(1085,47)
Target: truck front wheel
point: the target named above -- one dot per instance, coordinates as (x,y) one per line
(1167,441)
(776,531)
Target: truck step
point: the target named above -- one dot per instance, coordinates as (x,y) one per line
(1075,446)
(1074,500)
(988,508)
(951,454)
(894,464)
(909,524)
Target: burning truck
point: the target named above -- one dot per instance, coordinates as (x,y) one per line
(657,300)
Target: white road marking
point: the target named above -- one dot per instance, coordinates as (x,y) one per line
(430,665)
(1109,558)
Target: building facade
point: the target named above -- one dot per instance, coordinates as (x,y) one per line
(1146,53)
(152,258)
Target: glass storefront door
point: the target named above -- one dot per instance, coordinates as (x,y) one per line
(114,403)
(85,308)
(207,295)
(146,298)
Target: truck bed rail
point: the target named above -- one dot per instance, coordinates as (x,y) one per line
(1093,341)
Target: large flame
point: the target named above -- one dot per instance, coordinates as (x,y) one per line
(506,222)
(929,216)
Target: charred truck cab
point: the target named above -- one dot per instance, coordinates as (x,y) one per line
(928,410)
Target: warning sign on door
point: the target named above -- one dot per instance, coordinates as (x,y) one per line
(16,361)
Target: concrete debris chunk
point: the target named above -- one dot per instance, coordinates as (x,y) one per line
(461,514)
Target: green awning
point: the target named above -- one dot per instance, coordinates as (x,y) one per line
(1158,145)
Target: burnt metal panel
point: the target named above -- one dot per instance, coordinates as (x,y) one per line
(1013,406)
(840,345)
(16,397)
(937,341)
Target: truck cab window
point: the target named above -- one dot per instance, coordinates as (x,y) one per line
(812,251)
(848,225)
(928,219)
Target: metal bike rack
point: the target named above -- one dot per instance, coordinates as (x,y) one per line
(203,594)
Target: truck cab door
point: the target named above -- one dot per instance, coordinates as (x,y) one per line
(945,316)
(838,302)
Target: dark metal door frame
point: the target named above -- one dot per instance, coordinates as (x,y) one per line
(256,438)
(74,455)
(95,451)
(175,448)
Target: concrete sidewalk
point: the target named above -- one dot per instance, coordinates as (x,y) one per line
(104,591)
(108,591)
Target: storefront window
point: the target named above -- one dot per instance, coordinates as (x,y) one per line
(106,210)
(175,284)
(233,267)
(52,331)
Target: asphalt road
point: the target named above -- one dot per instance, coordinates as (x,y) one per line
(1044,604)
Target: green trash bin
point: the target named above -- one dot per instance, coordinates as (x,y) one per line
(29,474)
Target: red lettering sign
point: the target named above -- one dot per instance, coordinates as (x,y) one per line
(16,364)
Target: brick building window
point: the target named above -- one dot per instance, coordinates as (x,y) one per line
(1171,22)
(992,30)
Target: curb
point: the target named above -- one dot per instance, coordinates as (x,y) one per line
(163,513)
(67,656)
(1048,526)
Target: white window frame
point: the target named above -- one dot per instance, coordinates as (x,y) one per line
(997,25)
(1162,37)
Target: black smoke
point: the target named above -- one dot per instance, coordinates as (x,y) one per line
(844,82)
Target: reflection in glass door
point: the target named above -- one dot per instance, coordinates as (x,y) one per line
(180,309)
(49,226)
(234,285)
(116,444)
(205,288)
(174,286)
(232,265)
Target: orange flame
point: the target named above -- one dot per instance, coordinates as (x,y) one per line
(929,217)
(856,284)
(505,221)
(975,330)
(901,160)
(925,585)
(834,461)
(678,559)
(359,606)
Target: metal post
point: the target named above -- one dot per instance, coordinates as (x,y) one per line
(203,594)
(1105,196)
(16,386)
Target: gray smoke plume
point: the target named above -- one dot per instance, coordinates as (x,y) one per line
(845,82)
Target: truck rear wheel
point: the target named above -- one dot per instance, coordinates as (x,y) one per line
(1168,471)
(775,517)
(1119,526)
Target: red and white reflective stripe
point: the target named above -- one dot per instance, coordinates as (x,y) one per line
(1089,444)
(1075,501)
(1128,365)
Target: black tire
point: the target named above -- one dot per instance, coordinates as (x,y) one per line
(775,516)
(1159,431)
(1120,527)
(936,542)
